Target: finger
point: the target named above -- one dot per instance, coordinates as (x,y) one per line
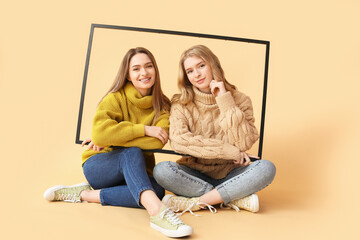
(242,159)
(247,159)
(85,141)
(166,139)
(165,135)
(253,156)
(90,146)
(214,90)
(161,139)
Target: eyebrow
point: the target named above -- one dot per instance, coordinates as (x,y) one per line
(137,65)
(202,61)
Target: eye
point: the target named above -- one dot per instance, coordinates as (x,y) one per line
(136,69)
(202,65)
(150,66)
(188,72)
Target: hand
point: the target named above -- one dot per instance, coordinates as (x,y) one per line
(217,88)
(92,145)
(157,132)
(244,159)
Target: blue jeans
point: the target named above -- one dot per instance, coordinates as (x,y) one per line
(121,175)
(239,183)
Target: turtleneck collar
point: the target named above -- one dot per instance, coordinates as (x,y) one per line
(205,98)
(136,98)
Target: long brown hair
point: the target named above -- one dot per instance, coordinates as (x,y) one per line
(159,100)
(186,91)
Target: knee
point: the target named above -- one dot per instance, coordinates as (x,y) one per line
(268,170)
(161,171)
(132,156)
(133,151)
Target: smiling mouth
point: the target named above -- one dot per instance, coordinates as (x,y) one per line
(200,81)
(145,79)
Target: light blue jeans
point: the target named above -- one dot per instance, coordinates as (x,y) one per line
(239,183)
(121,175)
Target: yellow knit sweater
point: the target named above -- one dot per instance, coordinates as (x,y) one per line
(213,131)
(120,120)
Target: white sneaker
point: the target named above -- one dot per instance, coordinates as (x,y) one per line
(169,224)
(66,193)
(185,204)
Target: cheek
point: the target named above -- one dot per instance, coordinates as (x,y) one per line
(209,72)
(132,76)
(189,76)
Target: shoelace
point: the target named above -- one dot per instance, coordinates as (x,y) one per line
(228,206)
(69,197)
(188,209)
(169,215)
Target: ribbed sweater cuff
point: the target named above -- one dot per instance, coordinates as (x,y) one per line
(231,152)
(225,101)
(139,130)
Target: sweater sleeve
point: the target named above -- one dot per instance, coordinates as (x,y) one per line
(109,129)
(182,140)
(237,120)
(147,142)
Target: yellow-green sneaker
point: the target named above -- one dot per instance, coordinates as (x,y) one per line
(66,193)
(249,203)
(169,224)
(185,204)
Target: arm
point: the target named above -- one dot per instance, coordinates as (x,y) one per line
(182,140)
(109,129)
(237,120)
(147,142)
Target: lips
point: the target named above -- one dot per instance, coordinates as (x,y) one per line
(200,81)
(145,79)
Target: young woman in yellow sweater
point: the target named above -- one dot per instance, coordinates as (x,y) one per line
(213,123)
(133,115)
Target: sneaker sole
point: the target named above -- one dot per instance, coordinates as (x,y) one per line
(172,233)
(49,194)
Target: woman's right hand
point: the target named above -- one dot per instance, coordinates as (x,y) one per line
(91,145)
(157,132)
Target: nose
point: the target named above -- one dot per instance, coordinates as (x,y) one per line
(197,73)
(143,71)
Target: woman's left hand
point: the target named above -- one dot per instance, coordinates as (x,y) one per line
(217,88)
(244,159)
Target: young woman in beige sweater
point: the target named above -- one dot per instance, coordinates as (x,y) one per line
(213,123)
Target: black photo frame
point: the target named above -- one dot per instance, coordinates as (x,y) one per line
(189,34)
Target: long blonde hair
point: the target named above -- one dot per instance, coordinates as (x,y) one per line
(186,91)
(159,100)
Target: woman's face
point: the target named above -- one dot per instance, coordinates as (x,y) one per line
(142,73)
(199,73)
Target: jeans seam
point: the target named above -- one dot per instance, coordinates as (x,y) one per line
(174,169)
(223,185)
(242,174)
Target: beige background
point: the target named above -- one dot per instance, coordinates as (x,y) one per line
(311,129)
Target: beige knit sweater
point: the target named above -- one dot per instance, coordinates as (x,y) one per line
(213,131)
